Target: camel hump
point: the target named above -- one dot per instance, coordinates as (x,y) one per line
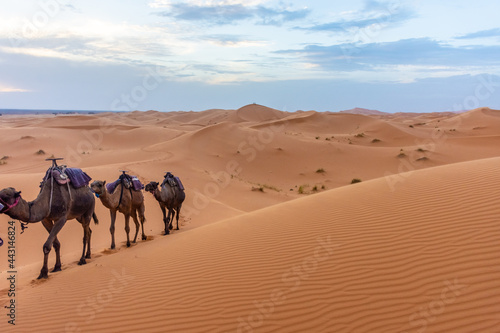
(173,181)
(62,175)
(78,177)
(127,181)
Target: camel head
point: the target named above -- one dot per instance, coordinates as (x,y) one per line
(98,187)
(152,187)
(9,198)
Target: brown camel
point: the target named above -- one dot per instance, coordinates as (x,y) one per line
(129,202)
(54,205)
(171,198)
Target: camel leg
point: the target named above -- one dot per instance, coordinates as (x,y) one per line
(47,246)
(112,228)
(86,240)
(142,210)
(87,255)
(127,228)
(165,221)
(170,218)
(57,248)
(136,222)
(178,213)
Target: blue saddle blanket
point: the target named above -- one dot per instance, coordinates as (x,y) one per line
(77,177)
(173,181)
(128,182)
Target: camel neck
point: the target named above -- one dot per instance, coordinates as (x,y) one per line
(107,198)
(33,211)
(157,194)
(39,208)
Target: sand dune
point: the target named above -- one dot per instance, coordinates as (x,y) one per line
(273,236)
(362,258)
(255,112)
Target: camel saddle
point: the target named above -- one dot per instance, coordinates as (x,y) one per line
(173,181)
(63,175)
(128,182)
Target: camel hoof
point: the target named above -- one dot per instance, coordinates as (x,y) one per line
(42,276)
(144,237)
(128,244)
(82,262)
(113,247)
(56,269)
(170,227)
(87,256)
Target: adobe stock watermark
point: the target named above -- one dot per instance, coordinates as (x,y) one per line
(248,148)
(370,32)
(34,24)
(485,88)
(130,101)
(87,310)
(428,314)
(291,280)
(127,101)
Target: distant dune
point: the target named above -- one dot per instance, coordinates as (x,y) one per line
(366,112)
(273,236)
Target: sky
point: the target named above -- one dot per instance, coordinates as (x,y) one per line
(323,55)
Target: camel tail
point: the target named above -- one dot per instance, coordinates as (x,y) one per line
(96,220)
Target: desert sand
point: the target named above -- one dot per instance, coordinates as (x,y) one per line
(273,235)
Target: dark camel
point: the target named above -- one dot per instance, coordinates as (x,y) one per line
(171,198)
(132,202)
(54,205)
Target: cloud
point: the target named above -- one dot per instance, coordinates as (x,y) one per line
(228,40)
(417,51)
(98,41)
(222,14)
(373,13)
(11,90)
(495,32)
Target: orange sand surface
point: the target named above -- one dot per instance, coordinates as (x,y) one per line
(273,236)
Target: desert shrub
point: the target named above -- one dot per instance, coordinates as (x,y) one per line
(320,170)
(355,180)
(270,187)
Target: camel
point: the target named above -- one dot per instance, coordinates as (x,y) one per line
(54,205)
(129,202)
(171,198)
